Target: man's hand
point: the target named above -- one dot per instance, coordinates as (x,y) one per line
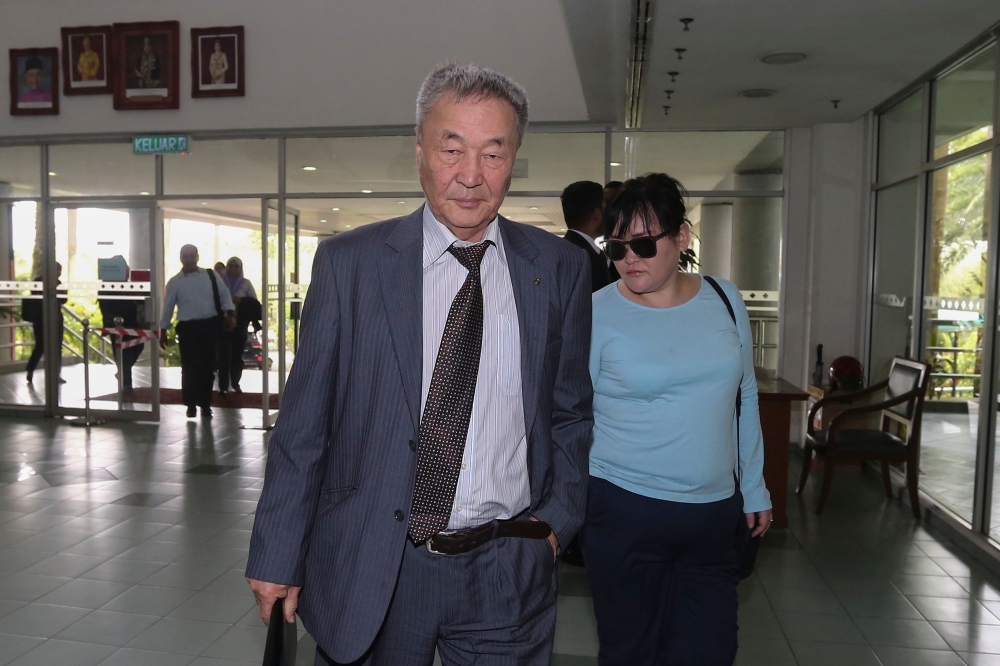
(553,541)
(267,594)
(763,520)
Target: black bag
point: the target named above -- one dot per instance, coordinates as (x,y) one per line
(224,323)
(746,545)
(282,638)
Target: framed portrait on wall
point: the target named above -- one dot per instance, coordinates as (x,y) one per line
(217,62)
(34,82)
(146,59)
(86,60)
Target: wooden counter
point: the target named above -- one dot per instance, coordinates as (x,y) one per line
(775,396)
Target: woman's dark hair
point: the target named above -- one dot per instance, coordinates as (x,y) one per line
(656,199)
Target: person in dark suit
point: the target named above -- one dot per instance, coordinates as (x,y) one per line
(583,210)
(431,452)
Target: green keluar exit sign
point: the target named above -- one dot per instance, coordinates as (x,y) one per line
(160,145)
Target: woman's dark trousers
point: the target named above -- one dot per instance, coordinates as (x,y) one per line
(663,576)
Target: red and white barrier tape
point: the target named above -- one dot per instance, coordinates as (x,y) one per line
(141,335)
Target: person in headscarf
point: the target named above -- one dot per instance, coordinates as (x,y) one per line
(232,343)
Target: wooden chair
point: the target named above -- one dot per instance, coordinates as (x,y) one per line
(903,404)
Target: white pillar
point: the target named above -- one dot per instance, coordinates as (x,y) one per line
(715,231)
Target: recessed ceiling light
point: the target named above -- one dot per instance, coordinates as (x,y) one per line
(348,226)
(52,173)
(402,202)
(782,58)
(334,209)
(322,220)
(756,93)
(144,193)
(534,208)
(366,191)
(204,203)
(309,168)
(615,163)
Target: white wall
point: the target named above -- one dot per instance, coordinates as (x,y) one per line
(824,285)
(315,63)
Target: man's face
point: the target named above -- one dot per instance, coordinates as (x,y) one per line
(189,257)
(86,44)
(33,77)
(465,155)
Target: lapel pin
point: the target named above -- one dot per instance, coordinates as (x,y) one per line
(538,280)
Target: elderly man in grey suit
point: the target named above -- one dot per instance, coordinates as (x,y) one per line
(431,452)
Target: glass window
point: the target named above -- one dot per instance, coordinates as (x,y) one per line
(241,166)
(739,239)
(550,162)
(963,104)
(957,249)
(895,258)
(899,138)
(703,161)
(20,171)
(352,164)
(99,169)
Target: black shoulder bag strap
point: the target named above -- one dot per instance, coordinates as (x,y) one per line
(746,546)
(215,294)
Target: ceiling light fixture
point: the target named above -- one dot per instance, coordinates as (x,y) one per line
(757,93)
(308,168)
(534,207)
(52,173)
(680,53)
(673,76)
(322,220)
(666,110)
(782,58)
(348,226)
(204,203)
(836,103)
(669,93)
(402,202)
(615,163)
(687,24)
(145,194)
(366,191)
(334,209)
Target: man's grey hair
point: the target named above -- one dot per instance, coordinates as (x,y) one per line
(472,81)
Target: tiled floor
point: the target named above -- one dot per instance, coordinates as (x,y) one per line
(126,546)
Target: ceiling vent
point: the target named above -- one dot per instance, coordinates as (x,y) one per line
(757,93)
(782,58)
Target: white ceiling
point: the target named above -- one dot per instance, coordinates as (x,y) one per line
(859,51)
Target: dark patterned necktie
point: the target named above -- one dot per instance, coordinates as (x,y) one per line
(445,421)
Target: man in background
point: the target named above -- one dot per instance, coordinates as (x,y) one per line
(611,190)
(203,308)
(583,210)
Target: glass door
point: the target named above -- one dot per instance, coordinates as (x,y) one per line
(272,314)
(106,261)
(21,242)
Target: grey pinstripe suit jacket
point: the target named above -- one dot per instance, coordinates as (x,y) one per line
(333,513)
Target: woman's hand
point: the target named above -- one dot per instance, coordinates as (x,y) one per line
(763,519)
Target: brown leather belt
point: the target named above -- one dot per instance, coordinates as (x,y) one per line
(462,541)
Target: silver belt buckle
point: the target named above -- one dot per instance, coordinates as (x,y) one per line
(431,549)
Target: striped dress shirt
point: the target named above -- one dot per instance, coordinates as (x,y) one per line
(493,481)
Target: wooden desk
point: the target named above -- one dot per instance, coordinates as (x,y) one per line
(776,396)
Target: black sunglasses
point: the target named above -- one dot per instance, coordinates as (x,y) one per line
(644,247)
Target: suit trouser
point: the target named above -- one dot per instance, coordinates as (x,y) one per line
(231,346)
(199,342)
(38,327)
(493,605)
(663,576)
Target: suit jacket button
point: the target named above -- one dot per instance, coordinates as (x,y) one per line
(399,515)
(413,445)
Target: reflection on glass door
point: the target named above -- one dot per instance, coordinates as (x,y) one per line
(955,289)
(106,260)
(272,318)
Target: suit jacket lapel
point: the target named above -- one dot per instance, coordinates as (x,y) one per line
(401,278)
(530,287)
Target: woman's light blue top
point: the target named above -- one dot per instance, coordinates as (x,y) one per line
(665,383)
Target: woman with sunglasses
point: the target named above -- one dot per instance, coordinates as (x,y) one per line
(667,362)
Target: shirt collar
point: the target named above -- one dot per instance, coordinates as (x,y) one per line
(593,243)
(438,238)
